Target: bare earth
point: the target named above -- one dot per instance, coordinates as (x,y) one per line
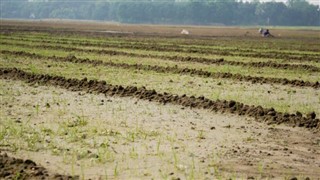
(145,30)
(148,140)
(66,134)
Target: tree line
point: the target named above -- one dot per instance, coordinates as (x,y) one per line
(193,12)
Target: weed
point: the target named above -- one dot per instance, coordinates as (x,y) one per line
(3,133)
(37,109)
(73,162)
(175,158)
(158,147)
(201,135)
(192,173)
(261,168)
(133,153)
(18,176)
(33,69)
(249,139)
(116,171)
(105,155)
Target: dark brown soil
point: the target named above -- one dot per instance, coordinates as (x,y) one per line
(268,115)
(173,69)
(13,168)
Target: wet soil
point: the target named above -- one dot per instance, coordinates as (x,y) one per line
(174,69)
(268,115)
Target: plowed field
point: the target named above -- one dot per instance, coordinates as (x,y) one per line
(101,101)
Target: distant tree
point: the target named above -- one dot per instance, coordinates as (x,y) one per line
(245,14)
(197,13)
(297,4)
(100,11)
(11,9)
(300,12)
(63,13)
(270,13)
(200,12)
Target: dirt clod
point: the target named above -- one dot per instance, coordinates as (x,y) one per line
(311,115)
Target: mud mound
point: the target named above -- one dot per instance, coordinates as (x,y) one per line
(12,168)
(274,65)
(173,69)
(259,113)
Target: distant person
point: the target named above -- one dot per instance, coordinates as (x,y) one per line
(265,32)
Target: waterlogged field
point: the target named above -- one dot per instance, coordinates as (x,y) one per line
(88,104)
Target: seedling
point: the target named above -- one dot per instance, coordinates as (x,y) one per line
(201,135)
(133,153)
(115,171)
(37,109)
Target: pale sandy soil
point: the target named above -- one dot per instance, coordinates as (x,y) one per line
(283,98)
(124,138)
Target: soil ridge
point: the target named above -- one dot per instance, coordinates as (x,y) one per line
(268,115)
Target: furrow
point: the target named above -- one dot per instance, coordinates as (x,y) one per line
(172,69)
(172,48)
(219,61)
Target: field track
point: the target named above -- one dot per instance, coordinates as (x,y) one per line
(137,101)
